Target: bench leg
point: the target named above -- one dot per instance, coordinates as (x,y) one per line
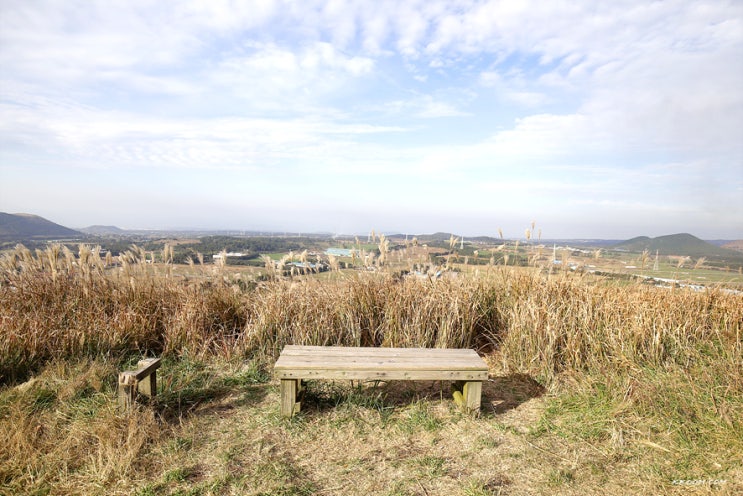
(289,391)
(472,392)
(127,390)
(148,385)
(468,395)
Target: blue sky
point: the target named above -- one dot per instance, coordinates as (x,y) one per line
(594,119)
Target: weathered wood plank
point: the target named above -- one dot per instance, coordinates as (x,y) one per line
(443,363)
(326,362)
(146,367)
(148,384)
(380,352)
(300,350)
(387,353)
(384,375)
(318,354)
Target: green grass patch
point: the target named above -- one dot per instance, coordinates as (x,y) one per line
(684,423)
(419,416)
(587,414)
(430,466)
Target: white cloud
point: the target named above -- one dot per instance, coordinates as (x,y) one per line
(433,109)
(226,15)
(512,89)
(68,42)
(268,76)
(83,136)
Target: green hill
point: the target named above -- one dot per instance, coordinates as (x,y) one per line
(22,227)
(443,237)
(683,244)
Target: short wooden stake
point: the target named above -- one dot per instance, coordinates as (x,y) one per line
(127,390)
(142,380)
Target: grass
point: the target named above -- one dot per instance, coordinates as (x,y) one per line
(373,440)
(595,387)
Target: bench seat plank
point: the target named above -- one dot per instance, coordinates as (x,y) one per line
(381,375)
(321,362)
(298,350)
(350,362)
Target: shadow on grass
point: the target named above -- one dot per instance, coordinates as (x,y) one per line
(322,396)
(198,391)
(499,394)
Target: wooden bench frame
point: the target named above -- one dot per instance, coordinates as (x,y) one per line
(298,363)
(142,380)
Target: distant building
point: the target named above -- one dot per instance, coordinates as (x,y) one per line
(317,267)
(230,254)
(339,252)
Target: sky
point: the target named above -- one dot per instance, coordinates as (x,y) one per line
(592,119)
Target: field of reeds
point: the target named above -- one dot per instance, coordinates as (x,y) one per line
(641,388)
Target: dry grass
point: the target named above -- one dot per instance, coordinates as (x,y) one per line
(215,429)
(644,385)
(61,306)
(61,430)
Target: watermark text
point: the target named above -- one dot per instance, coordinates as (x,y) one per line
(698,482)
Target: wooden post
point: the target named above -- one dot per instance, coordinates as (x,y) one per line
(127,389)
(472,395)
(143,380)
(148,385)
(467,394)
(289,405)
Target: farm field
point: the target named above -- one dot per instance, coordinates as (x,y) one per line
(597,385)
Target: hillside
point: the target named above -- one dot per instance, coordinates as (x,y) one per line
(20,227)
(103,230)
(683,244)
(444,237)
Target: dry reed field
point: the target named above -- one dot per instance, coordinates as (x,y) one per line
(595,388)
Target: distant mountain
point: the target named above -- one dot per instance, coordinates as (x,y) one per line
(683,244)
(20,227)
(103,230)
(445,237)
(438,236)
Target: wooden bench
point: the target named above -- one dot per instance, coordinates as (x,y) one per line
(142,380)
(462,366)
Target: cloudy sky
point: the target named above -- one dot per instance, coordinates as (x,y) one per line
(594,119)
